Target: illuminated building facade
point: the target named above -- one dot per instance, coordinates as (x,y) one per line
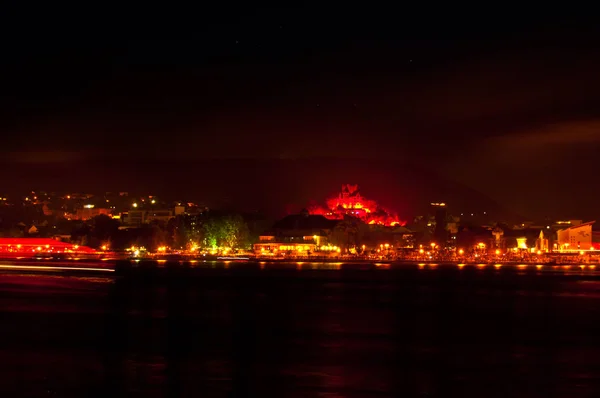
(297,235)
(350,202)
(575,238)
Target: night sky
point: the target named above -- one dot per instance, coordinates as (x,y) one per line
(484,105)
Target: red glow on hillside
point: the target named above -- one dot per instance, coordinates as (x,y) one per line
(351,202)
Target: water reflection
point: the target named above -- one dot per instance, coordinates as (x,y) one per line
(334,329)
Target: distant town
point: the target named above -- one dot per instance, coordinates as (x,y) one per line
(348,225)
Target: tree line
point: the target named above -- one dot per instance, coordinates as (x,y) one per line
(209,230)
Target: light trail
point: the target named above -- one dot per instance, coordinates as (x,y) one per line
(52,268)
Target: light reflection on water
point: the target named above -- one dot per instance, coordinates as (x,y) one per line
(270,335)
(332,266)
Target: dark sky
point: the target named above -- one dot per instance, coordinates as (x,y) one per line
(502,102)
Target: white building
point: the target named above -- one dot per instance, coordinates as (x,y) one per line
(575,238)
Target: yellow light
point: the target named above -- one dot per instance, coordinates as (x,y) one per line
(39,248)
(387,245)
(135,205)
(497,252)
(421,251)
(581,253)
(153,201)
(104,247)
(47,246)
(76,247)
(539,252)
(461,252)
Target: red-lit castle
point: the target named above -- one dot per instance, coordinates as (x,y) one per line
(351,203)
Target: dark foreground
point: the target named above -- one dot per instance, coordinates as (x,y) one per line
(244,331)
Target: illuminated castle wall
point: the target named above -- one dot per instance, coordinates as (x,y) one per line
(350,202)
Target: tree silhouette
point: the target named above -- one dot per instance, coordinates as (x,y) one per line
(346,233)
(104,228)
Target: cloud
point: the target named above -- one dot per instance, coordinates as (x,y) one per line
(549,136)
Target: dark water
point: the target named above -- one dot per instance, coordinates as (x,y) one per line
(243,331)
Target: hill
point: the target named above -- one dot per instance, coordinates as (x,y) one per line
(275,186)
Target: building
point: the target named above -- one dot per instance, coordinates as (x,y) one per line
(298,234)
(89,211)
(139,217)
(575,238)
(530,239)
(542,243)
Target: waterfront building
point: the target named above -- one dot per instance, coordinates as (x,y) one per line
(297,234)
(576,238)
